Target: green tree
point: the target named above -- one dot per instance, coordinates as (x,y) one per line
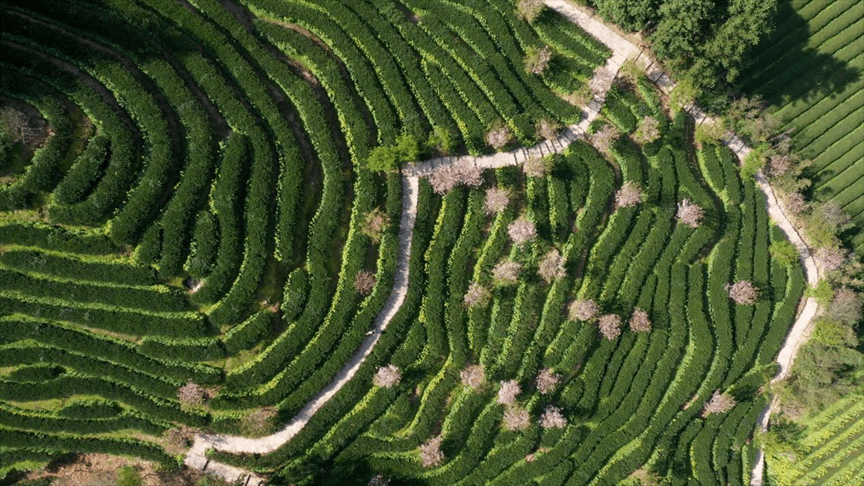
(382,159)
(129,476)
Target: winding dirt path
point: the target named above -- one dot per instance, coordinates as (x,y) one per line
(622,49)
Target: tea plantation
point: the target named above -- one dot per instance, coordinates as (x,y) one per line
(810,69)
(194,240)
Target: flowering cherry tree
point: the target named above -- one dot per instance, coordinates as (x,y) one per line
(552,266)
(629,195)
(476,296)
(508,392)
(387,376)
(522,231)
(473,376)
(689,213)
(516,418)
(430,452)
(547,380)
(552,418)
(583,310)
(639,321)
(743,292)
(610,326)
(506,272)
(364,282)
(497,200)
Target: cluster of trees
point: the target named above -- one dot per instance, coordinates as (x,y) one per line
(702,40)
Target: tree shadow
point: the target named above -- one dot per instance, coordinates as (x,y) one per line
(785,69)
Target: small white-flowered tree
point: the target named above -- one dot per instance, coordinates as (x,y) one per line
(720,403)
(583,310)
(364,282)
(639,321)
(743,292)
(516,418)
(552,418)
(508,392)
(497,200)
(473,376)
(387,376)
(629,195)
(536,167)
(522,231)
(476,296)
(610,326)
(689,213)
(552,266)
(547,380)
(430,452)
(506,272)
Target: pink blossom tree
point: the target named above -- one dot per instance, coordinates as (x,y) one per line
(547,380)
(832,258)
(552,266)
(639,321)
(473,376)
(552,418)
(191,395)
(443,180)
(583,310)
(506,272)
(508,392)
(605,138)
(476,296)
(610,326)
(719,403)
(497,200)
(522,231)
(689,213)
(743,292)
(516,418)
(387,376)
(629,195)
(499,135)
(430,452)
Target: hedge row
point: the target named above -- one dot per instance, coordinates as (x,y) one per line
(69,266)
(43,422)
(86,385)
(153,299)
(71,443)
(85,171)
(113,350)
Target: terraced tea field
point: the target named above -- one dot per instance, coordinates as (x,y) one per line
(189,250)
(810,68)
(832,443)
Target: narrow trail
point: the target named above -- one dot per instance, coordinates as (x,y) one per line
(622,50)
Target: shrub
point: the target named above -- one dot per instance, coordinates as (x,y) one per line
(529,10)
(261,421)
(536,167)
(364,282)
(784,252)
(537,60)
(374,224)
(129,476)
